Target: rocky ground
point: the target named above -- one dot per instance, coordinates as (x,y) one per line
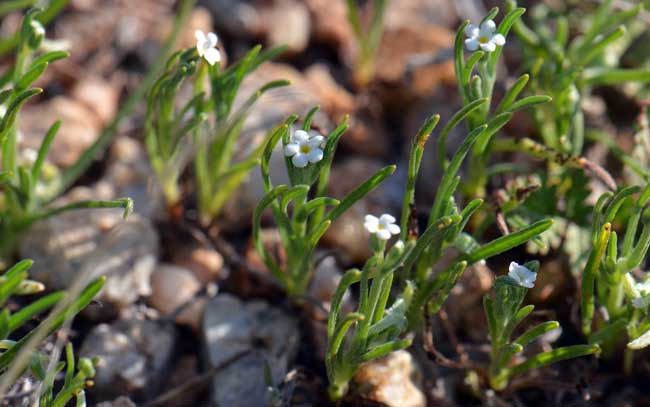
(190,316)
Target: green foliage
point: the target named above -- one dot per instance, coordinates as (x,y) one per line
(300,209)
(18,354)
(567,67)
(208,121)
(504,313)
(377,329)
(24,187)
(608,278)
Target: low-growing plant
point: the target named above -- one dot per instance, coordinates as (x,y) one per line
(367,39)
(504,313)
(302,220)
(377,329)
(206,120)
(568,67)
(24,186)
(476,77)
(18,354)
(608,277)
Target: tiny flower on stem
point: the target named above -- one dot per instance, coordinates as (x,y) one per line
(304,148)
(206,46)
(643,289)
(522,275)
(383,226)
(484,37)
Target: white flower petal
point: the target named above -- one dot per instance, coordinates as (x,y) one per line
(212,40)
(316,141)
(300,160)
(393,229)
(315,155)
(386,219)
(200,37)
(639,302)
(499,39)
(370,227)
(522,275)
(383,234)
(471,44)
(487,28)
(291,149)
(488,46)
(371,218)
(300,136)
(471,30)
(212,55)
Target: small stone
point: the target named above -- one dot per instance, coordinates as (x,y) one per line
(133,357)
(334,99)
(99,95)
(289,24)
(230,327)
(77,242)
(80,127)
(171,287)
(206,264)
(391,380)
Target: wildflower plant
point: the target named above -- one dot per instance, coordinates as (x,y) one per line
(206,128)
(504,313)
(608,277)
(300,210)
(16,354)
(567,67)
(446,221)
(25,190)
(367,39)
(476,77)
(377,329)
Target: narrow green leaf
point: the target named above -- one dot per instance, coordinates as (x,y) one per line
(505,243)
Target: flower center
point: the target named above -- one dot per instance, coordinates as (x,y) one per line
(381,227)
(483,40)
(305,148)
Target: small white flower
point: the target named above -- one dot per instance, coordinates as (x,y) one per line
(522,275)
(207,46)
(640,302)
(642,289)
(384,226)
(304,148)
(484,37)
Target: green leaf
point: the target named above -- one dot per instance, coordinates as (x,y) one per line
(552,356)
(30,76)
(512,93)
(505,243)
(28,312)
(452,123)
(54,322)
(361,191)
(536,331)
(529,101)
(446,187)
(385,349)
(589,276)
(43,150)
(349,278)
